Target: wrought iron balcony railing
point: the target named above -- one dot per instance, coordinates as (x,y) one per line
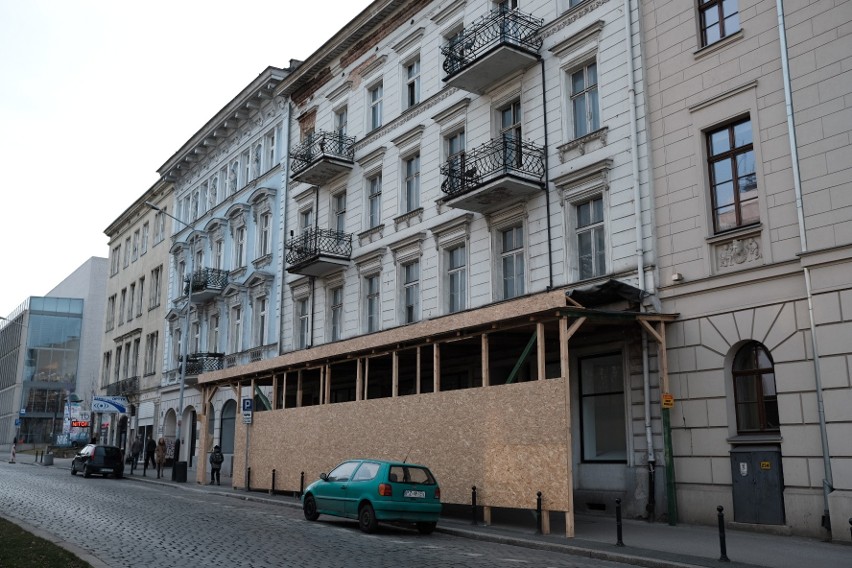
(499,27)
(197,363)
(313,243)
(126,387)
(321,145)
(206,279)
(505,156)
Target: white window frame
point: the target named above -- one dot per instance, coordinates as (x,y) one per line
(372,302)
(338,211)
(410,279)
(375,97)
(236,329)
(592,229)
(374,201)
(303,322)
(411,74)
(456,278)
(515,254)
(261,319)
(411,183)
(335,301)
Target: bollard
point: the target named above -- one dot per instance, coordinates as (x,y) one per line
(850,527)
(272,487)
(724,549)
(618,525)
(248,479)
(538,512)
(473,505)
(302,484)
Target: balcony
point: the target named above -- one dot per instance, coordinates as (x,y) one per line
(127,387)
(496,46)
(197,363)
(322,156)
(207,283)
(317,252)
(498,173)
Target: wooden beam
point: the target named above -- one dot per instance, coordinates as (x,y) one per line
(274,392)
(359,380)
(542,368)
(436,370)
(565,334)
(395,373)
(662,352)
(417,373)
(299,389)
(486,367)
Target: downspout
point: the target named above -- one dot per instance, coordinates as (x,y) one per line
(546,179)
(640,264)
(827,482)
(284,199)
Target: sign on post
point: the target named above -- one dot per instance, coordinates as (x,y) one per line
(667,400)
(248,407)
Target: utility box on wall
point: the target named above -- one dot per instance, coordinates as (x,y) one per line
(758,485)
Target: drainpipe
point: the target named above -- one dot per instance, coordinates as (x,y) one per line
(640,270)
(284,198)
(827,482)
(546,179)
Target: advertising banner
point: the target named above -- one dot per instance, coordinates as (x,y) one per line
(110,404)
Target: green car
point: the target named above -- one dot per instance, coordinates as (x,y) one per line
(374,490)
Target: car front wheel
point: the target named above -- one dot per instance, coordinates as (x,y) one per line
(426,528)
(310,508)
(367,518)
(73,469)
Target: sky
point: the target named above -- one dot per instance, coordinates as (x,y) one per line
(95,95)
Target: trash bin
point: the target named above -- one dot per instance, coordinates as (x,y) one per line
(47,459)
(179,472)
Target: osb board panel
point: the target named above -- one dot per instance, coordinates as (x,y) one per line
(509,441)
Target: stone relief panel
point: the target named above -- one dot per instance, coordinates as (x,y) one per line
(738,253)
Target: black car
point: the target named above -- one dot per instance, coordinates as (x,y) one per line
(103,460)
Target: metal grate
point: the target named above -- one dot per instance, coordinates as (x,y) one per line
(499,157)
(321,145)
(315,242)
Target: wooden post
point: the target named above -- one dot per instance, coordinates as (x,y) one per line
(436,371)
(359,380)
(299,389)
(542,370)
(274,391)
(418,370)
(395,373)
(565,334)
(366,377)
(327,369)
(284,391)
(486,368)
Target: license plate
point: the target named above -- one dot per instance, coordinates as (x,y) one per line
(414,494)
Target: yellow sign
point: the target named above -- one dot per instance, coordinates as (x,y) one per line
(667,400)
(765,465)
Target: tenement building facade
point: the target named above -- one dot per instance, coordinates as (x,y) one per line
(750,120)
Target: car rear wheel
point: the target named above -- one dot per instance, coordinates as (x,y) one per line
(426,528)
(86,472)
(73,469)
(367,518)
(310,508)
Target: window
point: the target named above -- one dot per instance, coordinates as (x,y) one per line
(117,369)
(236,329)
(374,201)
(375,102)
(411,199)
(733,181)
(160,226)
(110,312)
(304,317)
(340,120)
(176,347)
(271,150)
(371,284)
(412,83)
(336,301)
(719,19)
(106,369)
(306,220)
(602,412)
(411,292)
(136,237)
(127,252)
(754,390)
(457,276)
(260,317)
(240,247)
(181,279)
(131,303)
(512,261)
(195,335)
(338,209)
(584,100)
(247,167)
(140,303)
(151,343)
(144,244)
(122,306)
(213,334)
(202,199)
(116,259)
(591,242)
(510,132)
(504,6)
(156,286)
(134,360)
(257,161)
(454,144)
(265,234)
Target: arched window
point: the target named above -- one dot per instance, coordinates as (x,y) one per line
(226,434)
(754,390)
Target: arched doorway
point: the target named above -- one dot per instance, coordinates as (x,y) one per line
(169,429)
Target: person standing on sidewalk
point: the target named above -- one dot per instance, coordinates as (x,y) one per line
(150,448)
(216,459)
(161,456)
(135,450)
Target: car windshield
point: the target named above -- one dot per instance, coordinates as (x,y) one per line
(411,474)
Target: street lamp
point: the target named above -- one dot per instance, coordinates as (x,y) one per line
(184,334)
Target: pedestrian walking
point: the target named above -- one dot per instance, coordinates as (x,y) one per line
(216,459)
(160,456)
(150,448)
(135,450)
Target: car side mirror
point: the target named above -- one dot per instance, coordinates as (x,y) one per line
(324,476)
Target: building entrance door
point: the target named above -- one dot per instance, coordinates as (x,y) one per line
(758,485)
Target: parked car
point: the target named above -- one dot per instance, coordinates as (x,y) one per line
(375,490)
(103,460)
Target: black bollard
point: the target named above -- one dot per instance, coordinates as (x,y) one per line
(538,512)
(248,479)
(850,527)
(722,546)
(618,526)
(473,505)
(272,488)
(302,484)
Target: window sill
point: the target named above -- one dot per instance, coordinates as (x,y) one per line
(706,50)
(738,233)
(371,235)
(262,261)
(409,218)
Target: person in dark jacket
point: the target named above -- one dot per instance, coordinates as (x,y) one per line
(216,459)
(150,448)
(135,450)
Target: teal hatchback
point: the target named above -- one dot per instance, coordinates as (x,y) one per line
(374,490)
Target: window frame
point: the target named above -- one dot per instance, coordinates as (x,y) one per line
(590,97)
(374,201)
(584,414)
(456,272)
(411,75)
(372,302)
(375,98)
(410,281)
(704,7)
(599,257)
(762,401)
(411,183)
(732,156)
(518,252)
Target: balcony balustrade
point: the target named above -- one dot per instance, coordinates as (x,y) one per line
(197,363)
(492,48)
(500,172)
(127,387)
(316,252)
(207,283)
(322,156)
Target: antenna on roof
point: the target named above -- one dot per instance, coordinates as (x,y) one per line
(406,455)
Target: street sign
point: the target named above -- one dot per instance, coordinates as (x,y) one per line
(667,400)
(248,405)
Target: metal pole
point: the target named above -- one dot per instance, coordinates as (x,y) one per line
(722,546)
(671,490)
(618,525)
(538,512)
(473,505)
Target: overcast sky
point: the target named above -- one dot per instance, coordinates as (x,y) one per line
(95,95)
